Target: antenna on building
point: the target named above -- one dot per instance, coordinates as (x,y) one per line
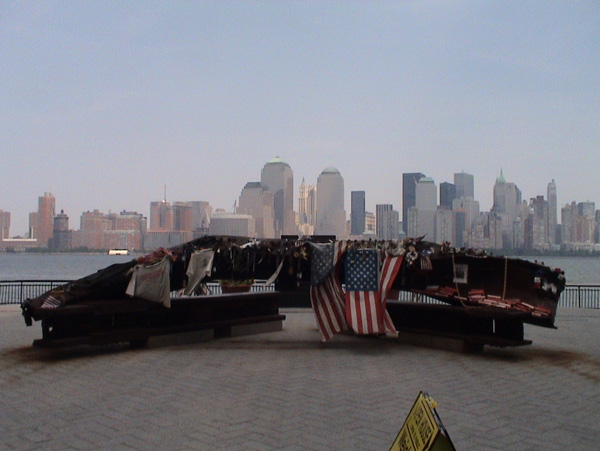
(165,195)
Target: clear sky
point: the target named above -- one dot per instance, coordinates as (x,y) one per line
(103,103)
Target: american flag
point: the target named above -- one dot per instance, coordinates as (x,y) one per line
(389,271)
(366,292)
(51,302)
(326,293)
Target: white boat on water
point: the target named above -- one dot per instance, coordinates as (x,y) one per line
(118,252)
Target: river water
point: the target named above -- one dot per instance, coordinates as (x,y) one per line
(47,266)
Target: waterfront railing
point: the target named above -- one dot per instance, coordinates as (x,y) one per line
(16,291)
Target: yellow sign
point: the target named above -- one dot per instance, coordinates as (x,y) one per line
(421,431)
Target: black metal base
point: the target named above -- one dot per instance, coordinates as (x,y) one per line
(475,326)
(135,321)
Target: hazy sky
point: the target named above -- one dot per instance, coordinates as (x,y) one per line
(102,103)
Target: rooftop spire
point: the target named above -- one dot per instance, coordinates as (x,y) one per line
(501,178)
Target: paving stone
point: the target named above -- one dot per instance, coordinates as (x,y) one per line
(286,390)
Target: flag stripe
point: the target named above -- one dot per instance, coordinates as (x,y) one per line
(391,267)
(327,299)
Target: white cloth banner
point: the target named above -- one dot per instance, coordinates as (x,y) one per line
(199,267)
(274,276)
(151,282)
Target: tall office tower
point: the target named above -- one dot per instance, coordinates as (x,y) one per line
(444,225)
(426,206)
(507,206)
(568,219)
(507,197)
(331,216)
(357,212)
(518,230)
(277,176)
(552,212)
(470,207)
(161,216)
(4,224)
(257,201)
(539,223)
(426,194)
(586,208)
(45,218)
(465,185)
(182,216)
(370,223)
(586,222)
(458,228)
(584,229)
(387,222)
(447,195)
(201,213)
(409,186)
(307,208)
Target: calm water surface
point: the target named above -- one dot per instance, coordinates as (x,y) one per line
(44,266)
(578,270)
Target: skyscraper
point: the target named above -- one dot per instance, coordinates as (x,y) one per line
(161,216)
(409,186)
(357,212)
(465,185)
(426,206)
(307,208)
(426,194)
(331,216)
(257,201)
(44,219)
(536,231)
(386,222)
(552,212)
(4,224)
(201,213)
(182,216)
(507,206)
(277,176)
(447,194)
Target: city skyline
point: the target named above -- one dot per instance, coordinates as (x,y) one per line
(433,200)
(105,103)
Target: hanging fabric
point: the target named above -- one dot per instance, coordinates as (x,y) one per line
(200,266)
(151,282)
(326,293)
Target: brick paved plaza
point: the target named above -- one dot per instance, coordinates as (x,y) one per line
(285,390)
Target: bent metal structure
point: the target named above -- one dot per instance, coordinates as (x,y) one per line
(351,285)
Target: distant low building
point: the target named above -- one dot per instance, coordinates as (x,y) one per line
(233,224)
(18,244)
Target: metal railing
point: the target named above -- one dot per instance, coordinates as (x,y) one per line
(215,288)
(16,291)
(580,296)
